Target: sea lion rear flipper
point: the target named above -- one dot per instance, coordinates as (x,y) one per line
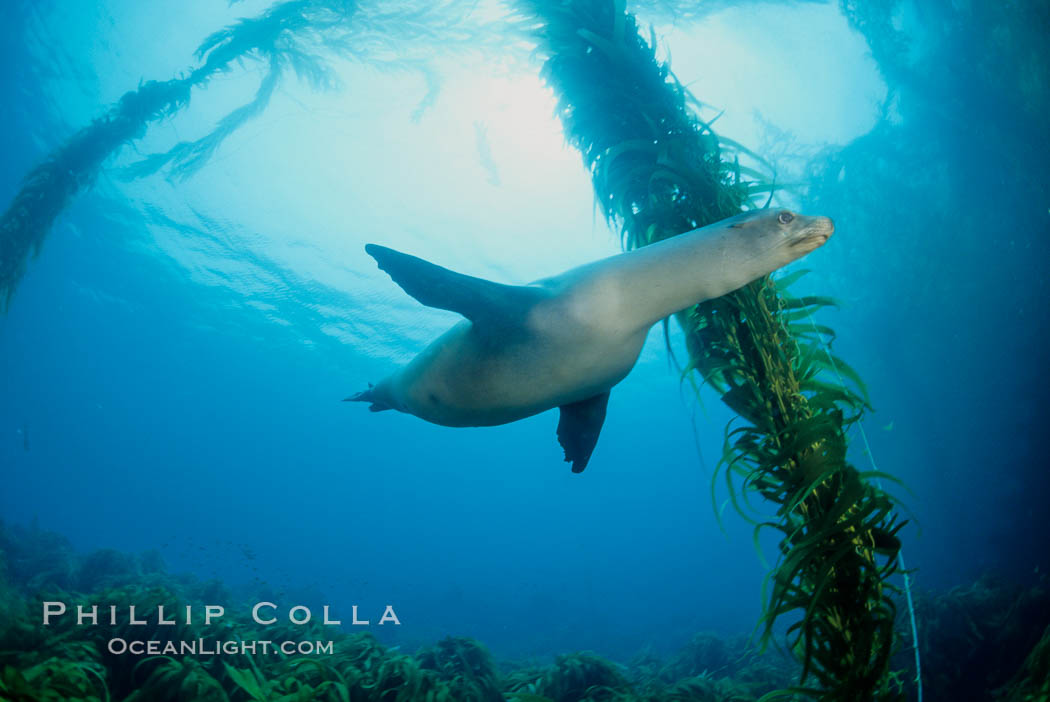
(368,396)
(475,298)
(579,427)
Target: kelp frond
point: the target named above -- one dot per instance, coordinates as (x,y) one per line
(659,171)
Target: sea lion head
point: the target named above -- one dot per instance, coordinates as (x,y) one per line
(781,234)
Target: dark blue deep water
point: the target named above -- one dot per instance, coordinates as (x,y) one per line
(173,362)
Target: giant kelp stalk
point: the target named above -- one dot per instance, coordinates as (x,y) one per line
(658,171)
(293,34)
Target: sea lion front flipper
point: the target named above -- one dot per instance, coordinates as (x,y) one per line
(579,427)
(476,299)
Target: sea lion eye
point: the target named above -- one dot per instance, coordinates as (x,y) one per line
(785,217)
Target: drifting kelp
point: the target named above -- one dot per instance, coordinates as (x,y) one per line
(658,171)
(300,36)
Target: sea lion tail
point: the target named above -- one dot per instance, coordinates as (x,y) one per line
(368,396)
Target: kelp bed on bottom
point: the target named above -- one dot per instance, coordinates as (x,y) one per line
(974,641)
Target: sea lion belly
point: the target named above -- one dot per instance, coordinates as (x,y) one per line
(466,379)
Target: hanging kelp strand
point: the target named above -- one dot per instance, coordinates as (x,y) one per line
(296,35)
(658,171)
(288,35)
(48,188)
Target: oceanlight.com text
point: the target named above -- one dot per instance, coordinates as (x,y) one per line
(206,647)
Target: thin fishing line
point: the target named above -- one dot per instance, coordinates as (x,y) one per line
(878,483)
(692,409)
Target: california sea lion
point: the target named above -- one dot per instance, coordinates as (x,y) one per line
(566,341)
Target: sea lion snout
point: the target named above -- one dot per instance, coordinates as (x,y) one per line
(814,233)
(823,227)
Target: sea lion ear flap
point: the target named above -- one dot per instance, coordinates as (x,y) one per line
(579,427)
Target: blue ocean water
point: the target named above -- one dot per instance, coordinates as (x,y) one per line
(174,360)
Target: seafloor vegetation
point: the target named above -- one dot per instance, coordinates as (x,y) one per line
(980,642)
